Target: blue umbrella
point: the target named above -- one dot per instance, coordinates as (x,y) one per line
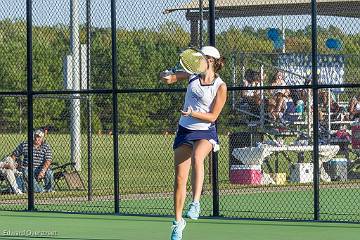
(333,43)
(273,34)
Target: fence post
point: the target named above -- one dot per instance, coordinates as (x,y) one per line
(29,62)
(215,170)
(88,99)
(115,106)
(201,21)
(315,107)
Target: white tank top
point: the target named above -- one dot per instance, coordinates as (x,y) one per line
(200,98)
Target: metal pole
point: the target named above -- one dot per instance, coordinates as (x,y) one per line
(315,107)
(201,23)
(75,121)
(215,179)
(29,59)
(262,106)
(329,112)
(20,115)
(283,33)
(234,55)
(211,22)
(88,102)
(309,116)
(115,107)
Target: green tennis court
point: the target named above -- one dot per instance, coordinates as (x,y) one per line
(281,203)
(30,225)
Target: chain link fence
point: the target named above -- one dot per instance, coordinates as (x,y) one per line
(265,167)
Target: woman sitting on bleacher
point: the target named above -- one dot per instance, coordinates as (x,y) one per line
(335,109)
(286,111)
(354,107)
(252,97)
(279,80)
(278,98)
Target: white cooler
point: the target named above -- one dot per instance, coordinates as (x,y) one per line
(302,173)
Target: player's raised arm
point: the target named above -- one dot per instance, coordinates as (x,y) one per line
(169,77)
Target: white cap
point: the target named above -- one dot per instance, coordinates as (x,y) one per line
(210,51)
(39,133)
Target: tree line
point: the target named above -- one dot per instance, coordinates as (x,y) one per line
(142,54)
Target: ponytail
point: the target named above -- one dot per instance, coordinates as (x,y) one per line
(219,64)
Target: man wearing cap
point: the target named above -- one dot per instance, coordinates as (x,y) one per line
(42,157)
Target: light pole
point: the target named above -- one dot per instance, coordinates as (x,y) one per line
(75,124)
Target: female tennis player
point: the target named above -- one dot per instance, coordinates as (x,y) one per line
(196,135)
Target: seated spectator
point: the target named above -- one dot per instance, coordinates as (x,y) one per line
(42,157)
(335,108)
(354,107)
(289,109)
(299,95)
(282,108)
(252,97)
(8,168)
(279,80)
(275,103)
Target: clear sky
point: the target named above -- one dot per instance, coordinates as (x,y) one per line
(136,14)
(130,14)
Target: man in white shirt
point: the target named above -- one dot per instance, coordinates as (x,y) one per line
(8,168)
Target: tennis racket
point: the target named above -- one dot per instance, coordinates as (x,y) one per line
(192,61)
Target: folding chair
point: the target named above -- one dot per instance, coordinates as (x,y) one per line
(69,174)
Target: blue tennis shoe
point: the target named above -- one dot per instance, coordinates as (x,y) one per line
(177,229)
(194,210)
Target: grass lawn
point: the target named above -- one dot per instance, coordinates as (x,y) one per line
(146,176)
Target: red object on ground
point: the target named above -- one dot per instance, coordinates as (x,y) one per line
(245,174)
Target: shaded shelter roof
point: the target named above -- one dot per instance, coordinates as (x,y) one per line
(248,8)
